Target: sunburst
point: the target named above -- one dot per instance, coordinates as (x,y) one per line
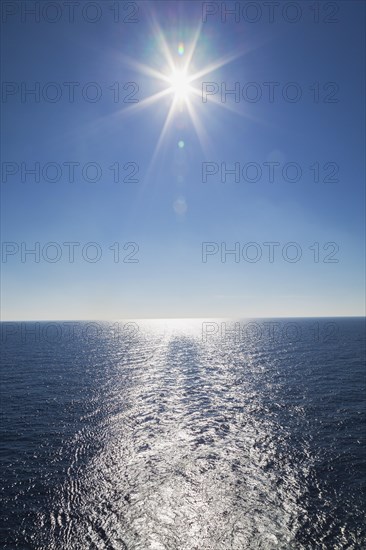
(182,85)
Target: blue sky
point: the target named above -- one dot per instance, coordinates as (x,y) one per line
(169,211)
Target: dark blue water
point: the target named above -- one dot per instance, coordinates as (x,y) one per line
(184,435)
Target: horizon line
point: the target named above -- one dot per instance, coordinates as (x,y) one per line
(115,320)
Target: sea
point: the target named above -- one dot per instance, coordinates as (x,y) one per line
(183,434)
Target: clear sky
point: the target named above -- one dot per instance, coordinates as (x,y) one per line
(175,143)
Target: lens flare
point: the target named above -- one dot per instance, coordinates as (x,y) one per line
(183,87)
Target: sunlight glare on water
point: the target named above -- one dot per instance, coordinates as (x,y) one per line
(159,440)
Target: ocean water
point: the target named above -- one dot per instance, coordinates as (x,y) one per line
(189,435)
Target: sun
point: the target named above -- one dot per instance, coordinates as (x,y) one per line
(180,84)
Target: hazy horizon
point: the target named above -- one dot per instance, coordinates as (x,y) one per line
(200,318)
